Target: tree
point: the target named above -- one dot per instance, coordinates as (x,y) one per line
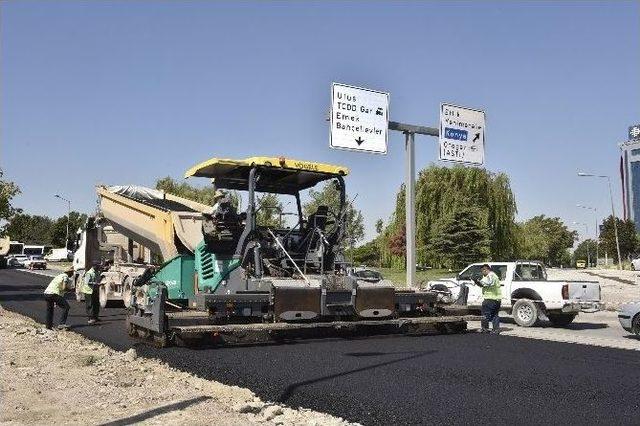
(626,235)
(459,238)
(379,226)
(30,229)
(443,191)
(366,254)
(330,196)
(546,239)
(586,250)
(8,190)
(201,195)
(59,231)
(269,211)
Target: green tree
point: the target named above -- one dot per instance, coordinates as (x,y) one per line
(59,231)
(30,229)
(8,190)
(329,196)
(626,235)
(269,210)
(201,195)
(443,191)
(460,237)
(366,254)
(585,250)
(546,239)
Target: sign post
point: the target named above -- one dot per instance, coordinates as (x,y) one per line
(360,122)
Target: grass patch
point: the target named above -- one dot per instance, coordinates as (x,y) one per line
(399,276)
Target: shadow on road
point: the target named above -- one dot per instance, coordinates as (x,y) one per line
(572,326)
(14,288)
(157,411)
(290,389)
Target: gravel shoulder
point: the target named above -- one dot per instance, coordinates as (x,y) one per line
(61,377)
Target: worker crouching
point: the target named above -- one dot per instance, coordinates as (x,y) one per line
(54,295)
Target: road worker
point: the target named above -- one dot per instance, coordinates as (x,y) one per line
(492,295)
(54,295)
(90,289)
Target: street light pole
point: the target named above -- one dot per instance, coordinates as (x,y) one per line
(66,240)
(613,212)
(596,229)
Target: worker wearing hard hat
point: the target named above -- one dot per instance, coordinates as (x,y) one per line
(54,295)
(90,288)
(492,294)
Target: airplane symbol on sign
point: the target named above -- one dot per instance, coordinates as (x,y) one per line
(359,141)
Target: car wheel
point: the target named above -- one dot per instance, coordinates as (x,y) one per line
(635,325)
(561,320)
(525,312)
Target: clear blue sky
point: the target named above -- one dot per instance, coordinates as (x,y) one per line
(125,92)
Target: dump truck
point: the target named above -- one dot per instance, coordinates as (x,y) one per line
(134,229)
(226,279)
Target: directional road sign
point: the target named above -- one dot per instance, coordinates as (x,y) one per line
(461,134)
(359,119)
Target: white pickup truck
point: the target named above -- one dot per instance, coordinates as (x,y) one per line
(527,294)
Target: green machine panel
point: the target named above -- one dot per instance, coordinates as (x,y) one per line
(178,276)
(212,268)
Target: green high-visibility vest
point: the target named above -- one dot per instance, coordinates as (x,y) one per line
(491,289)
(89,281)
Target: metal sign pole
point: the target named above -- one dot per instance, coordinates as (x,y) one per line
(410,206)
(409,131)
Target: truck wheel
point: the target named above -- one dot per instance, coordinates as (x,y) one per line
(525,312)
(635,325)
(103,295)
(561,320)
(126,292)
(77,284)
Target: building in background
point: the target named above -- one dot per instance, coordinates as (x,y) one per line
(630,175)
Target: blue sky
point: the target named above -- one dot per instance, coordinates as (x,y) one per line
(124,92)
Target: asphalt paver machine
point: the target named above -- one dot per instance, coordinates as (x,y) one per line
(244,283)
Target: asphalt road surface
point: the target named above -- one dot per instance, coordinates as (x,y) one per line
(454,379)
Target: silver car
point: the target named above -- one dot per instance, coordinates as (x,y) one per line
(629,317)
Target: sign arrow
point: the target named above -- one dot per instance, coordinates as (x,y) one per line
(359,141)
(476,137)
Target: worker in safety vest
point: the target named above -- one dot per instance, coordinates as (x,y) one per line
(90,288)
(492,294)
(54,295)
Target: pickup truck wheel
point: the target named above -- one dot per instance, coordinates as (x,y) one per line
(561,320)
(635,325)
(103,294)
(525,312)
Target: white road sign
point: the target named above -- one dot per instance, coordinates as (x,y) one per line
(461,134)
(359,119)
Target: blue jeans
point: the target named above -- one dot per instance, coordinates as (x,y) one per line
(490,310)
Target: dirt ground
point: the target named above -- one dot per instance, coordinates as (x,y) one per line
(60,377)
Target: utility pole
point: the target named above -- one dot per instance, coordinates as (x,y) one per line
(613,212)
(66,240)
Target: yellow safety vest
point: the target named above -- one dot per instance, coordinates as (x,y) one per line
(57,285)
(89,280)
(491,289)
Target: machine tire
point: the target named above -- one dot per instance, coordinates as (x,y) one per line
(525,312)
(127,287)
(635,325)
(561,320)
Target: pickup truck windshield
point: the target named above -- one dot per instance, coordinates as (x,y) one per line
(529,272)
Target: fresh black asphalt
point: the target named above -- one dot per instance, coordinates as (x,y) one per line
(446,379)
